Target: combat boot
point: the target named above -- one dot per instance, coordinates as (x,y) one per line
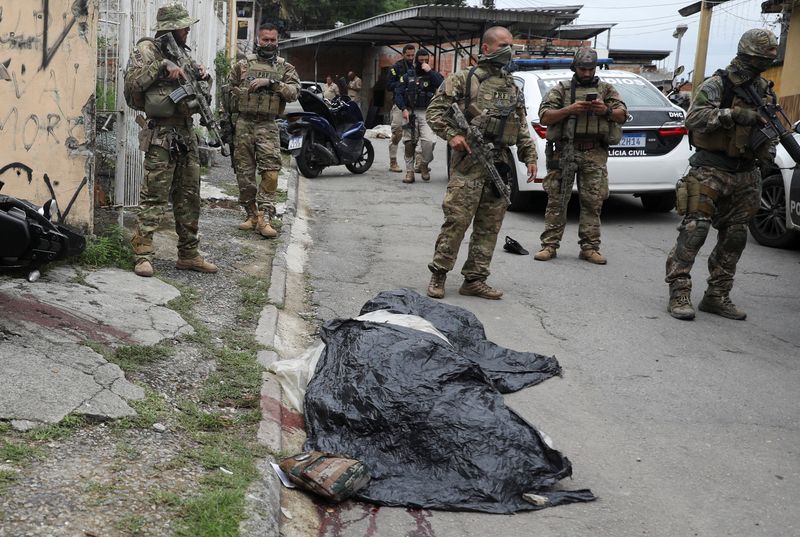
(593,256)
(480,289)
(263,226)
(425,171)
(197,264)
(436,287)
(142,248)
(680,305)
(394,167)
(546,253)
(719,303)
(252,219)
(143,268)
(409,177)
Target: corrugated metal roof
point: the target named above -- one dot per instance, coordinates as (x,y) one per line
(438,23)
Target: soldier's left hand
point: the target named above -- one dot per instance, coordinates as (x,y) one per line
(259,83)
(532,169)
(598,107)
(405,116)
(203,71)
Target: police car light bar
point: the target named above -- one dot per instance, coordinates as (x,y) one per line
(549,63)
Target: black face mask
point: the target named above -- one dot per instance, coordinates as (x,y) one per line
(756,63)
(267,52)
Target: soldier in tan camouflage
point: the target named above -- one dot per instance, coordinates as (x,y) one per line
(260,87)
(491,100)
(171,161)
(723,186)
(596,126)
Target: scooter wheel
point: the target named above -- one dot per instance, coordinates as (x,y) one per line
(364,161)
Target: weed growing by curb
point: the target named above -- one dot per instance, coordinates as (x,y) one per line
(108,250)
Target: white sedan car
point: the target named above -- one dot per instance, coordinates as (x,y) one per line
(777,223)
(652,156)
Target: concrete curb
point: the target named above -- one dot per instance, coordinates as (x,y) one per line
(263,499)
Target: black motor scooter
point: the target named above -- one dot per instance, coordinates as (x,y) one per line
(328,133)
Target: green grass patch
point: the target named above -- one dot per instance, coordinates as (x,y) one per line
(183,305)
(134,357)
(132,524)
(7,478)
(17,452)
(194,419)
(231,189)
(152,409)
(236,382)
(219,506)
(252,297)
(57,431)
(111,249)
(281,196)
(166,498)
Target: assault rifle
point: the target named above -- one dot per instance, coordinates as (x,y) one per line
(191,89)
(411,102)
(482,151)
(567,162)
(774,128)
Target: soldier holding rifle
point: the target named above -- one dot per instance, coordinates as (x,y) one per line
(171,161)
(493,103)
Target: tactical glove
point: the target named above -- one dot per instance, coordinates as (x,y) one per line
(745,116)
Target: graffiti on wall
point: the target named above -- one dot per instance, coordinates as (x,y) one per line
(47,82)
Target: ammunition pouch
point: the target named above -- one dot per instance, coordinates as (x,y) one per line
(501,129)
(264,104)
(551,160)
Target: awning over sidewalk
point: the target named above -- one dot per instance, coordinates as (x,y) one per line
(434,24)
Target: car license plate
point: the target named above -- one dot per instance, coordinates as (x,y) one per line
(633,140)
(295,142)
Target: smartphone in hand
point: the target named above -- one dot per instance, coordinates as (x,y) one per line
(591,96)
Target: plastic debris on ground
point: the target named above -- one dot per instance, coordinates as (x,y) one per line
(424,411)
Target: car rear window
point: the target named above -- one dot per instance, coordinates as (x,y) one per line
(636,92)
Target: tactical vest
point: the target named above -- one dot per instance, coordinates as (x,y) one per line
(493,109)
(734,142)
(421,88)
(157,104)
(587,126)
(264,103)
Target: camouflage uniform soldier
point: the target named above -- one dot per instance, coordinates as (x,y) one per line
(171,162)
(722,187)
(395,72)
(414,93)
(492,102)
(261,85)
(597,125)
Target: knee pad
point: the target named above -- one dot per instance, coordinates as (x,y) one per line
(696,232)
(397,135)
(427,150)
(735,237)
(409,149)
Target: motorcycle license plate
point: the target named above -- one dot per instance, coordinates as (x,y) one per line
(295,142)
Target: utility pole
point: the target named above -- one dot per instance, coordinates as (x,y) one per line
(678,34)
(703,7)
(230,41)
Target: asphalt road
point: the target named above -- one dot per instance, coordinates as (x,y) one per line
(680,428)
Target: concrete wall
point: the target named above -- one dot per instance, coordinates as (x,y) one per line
(48,63)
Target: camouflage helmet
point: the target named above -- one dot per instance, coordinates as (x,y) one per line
(173,17)
(585,58)
(757,42)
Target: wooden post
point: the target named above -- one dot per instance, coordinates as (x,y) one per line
(703,31)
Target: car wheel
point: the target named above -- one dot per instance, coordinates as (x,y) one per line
(662,202)
(364,161)
(768,226)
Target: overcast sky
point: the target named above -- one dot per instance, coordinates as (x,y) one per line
(648,25)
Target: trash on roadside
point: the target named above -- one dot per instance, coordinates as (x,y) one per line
(282,476)
(331,477)
(423,411)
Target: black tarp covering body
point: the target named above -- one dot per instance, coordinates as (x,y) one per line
(427,417)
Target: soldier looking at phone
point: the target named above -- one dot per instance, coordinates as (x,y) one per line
(585,113)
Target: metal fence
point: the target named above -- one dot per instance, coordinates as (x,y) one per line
(121,24)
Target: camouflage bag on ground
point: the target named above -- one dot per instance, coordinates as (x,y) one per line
(331,477)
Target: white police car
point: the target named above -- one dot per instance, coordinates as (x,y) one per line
(654,151)
(777,223)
